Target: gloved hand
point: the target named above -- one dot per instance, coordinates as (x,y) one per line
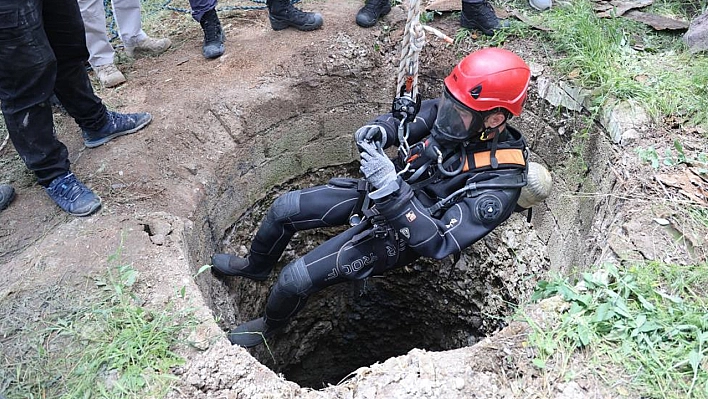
(371,133)
(375,165)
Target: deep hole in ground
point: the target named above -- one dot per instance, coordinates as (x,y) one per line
(432,305)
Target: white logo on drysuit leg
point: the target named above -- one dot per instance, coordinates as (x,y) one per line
(406,232)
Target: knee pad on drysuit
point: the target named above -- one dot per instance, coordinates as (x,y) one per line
(274,233)
(283,207)
(289,293)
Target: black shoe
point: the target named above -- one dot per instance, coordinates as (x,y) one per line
(7,194)
(480,16)
(251,333)
(372,11)
(230,265)
(213,35)
(283,16)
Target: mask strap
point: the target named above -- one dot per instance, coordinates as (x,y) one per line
(492,153)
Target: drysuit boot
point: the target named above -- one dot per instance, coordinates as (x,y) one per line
(371,12)
(481,16)
(283,14)
(230,265)
(213,35)
(252,333)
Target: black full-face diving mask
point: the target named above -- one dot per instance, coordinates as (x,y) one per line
(455,123)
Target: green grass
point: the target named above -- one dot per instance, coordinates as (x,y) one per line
(648,319)
(109,346)
(601,54)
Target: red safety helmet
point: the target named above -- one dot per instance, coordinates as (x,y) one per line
(490,78)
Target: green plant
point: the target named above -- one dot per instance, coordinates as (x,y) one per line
(601,54)
(648,318)
(111,346)
(428,16)
(673,157)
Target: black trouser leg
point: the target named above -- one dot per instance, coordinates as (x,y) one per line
(65,31)
(27,76)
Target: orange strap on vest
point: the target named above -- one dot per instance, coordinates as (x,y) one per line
(507,156)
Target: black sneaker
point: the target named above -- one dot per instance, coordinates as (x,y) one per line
(251,333)
(72,196)
(291,16)
(116,125)
(213,35)
(480,16)
(7,194)
(372,11)
(230,265)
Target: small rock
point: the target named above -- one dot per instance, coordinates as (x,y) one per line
(158,239)
(459,383)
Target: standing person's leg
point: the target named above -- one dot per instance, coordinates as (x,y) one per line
(310,208)
(129,20)
(204,12)
(101,52)
(94,16)
(65,31)
(27,75)
(28,72)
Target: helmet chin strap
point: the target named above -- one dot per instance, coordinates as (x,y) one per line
(492,131)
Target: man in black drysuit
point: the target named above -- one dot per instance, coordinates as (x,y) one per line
(460,178)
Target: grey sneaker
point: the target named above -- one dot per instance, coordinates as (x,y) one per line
(109,75)
(7,194)
(148,46)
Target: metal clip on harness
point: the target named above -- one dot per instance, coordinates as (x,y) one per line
(405,109)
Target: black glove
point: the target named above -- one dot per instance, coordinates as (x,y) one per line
(372,134)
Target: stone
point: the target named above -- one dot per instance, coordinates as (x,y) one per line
(624,119)
(696,37)
(562,94)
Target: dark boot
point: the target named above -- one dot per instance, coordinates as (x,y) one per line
(480,16)
(213,35)
(372,11)
(7,194)
(230,265)
(283,14)
(252,333)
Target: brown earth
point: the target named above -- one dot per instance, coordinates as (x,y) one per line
(164,197)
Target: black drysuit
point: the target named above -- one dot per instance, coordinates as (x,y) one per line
(400,227)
